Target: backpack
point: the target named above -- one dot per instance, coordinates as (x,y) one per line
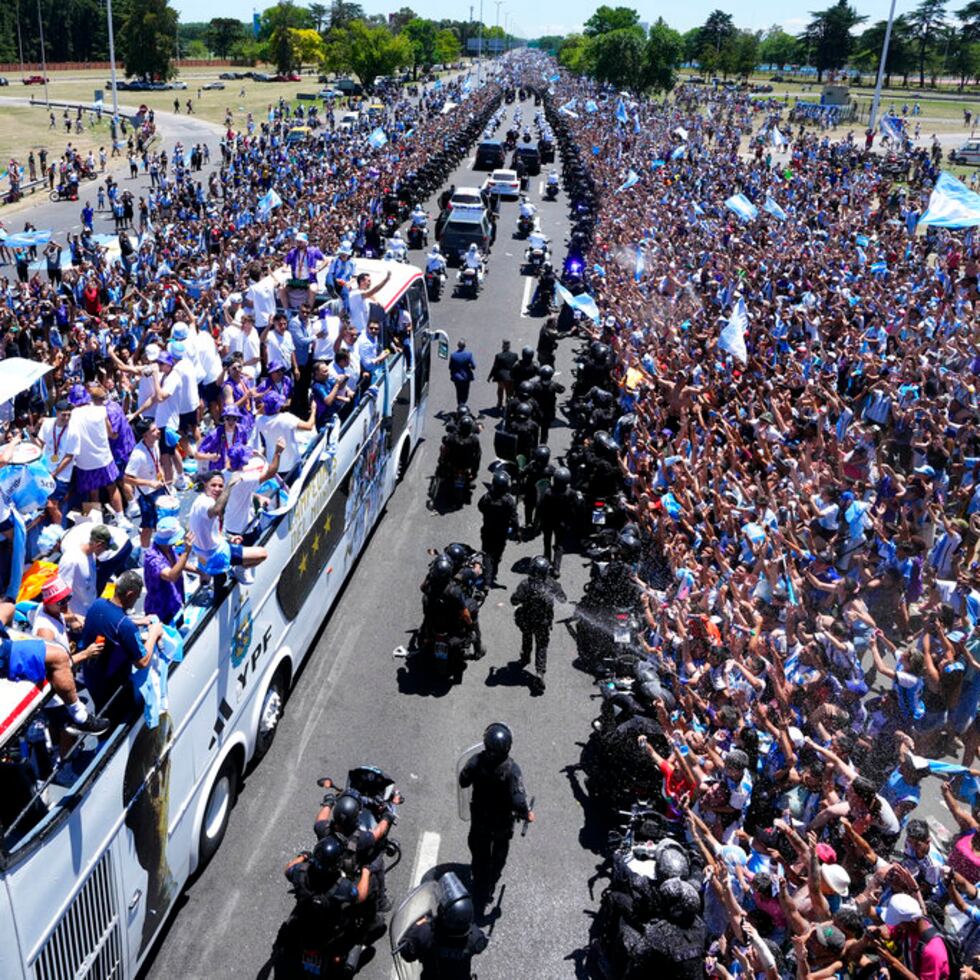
(954,949)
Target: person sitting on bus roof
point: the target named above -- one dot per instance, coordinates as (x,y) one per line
(341,270)
(215,554)
(325,393)
(108,677)
(38,661)
(304,261)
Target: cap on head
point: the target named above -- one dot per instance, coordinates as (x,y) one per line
(54,590)
(100,534)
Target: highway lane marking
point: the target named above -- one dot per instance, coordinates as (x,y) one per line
(526,299)
(426,856)
(540,188)
(472,162)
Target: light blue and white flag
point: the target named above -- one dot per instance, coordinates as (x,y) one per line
(777,137)
(621,114)
(27,239)
(591,107)
(773,208)
(584,304)
(742,206)
(732,337)
(952,205)
(892,128)
(631,178)
(377,139)
(679,152)
(268,202)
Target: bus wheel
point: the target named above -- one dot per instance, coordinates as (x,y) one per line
(217,811)
(273,704)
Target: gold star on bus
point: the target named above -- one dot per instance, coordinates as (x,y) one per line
(327,522)
(316,543)
(302,565)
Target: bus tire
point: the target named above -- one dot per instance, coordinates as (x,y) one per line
(217,811)
(273,705)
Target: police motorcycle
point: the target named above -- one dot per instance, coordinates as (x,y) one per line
(470,274)
(445,905)
(435,273)
(551,187)
(418,232)
(538,251)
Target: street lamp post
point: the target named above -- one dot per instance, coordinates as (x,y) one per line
(499,4)
(881,69)
(112,61)
(479,56)
(44,62)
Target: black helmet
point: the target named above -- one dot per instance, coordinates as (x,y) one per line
(455,905)
(468,576)
(327,853)
(672,863)
(462,410)
(442,569)
(546,372)
(457,553)
(497,740)
(345,813)
(525,390)
(540,567)
(562,478)
(522,410)
(629,547)
(681,901)
(599,350)
(465,425)
(541,455)
(500,483)
(527,353)
(602,397)
(605,443)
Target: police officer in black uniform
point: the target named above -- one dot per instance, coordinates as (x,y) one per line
(548,338)
(498,799)
(463,447)
(556,515)
(539,468)
(535,599)
(524,428)
(499,510)
(446,943)
(525,369)
(546,395)
(443,603)
(673,944)
(600,466)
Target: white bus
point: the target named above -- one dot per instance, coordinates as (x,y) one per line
(90,871)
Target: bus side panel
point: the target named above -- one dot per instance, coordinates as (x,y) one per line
(11,962)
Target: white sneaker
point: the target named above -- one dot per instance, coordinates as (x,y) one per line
(182,483)
(133,509)
(245,576)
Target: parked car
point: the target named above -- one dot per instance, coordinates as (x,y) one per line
(696,80)
(34,79)
(213,86)
(503,182)
(490,155)
(178,86)
(231,76)
(348,86)
(329,93)
(968,152)
(761,88)
(298,134)
(776,78)
(289,76)
(3,81)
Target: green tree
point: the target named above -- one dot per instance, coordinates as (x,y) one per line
(664,51)
(717,29)
(320,15)
(342,13)
(446,47)
(901,51)
(618,57)
(308,46)
(283,15)
(223,33)
(574,53)
(607,19)
(148,38)
(965,60)
(828,36)
(398,20)
(421,35)
(691,41)
(548,42)
(777,48)
(926,21)
(367,51)
(739,54)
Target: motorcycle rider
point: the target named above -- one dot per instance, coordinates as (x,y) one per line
(446,943)
(538,239)
(556,515)
(552,182)
(526,209)
(535,599)
(499,510)
(419,218)
(546,396)
(544,290)
(498,797)
(538,470)
(398,248)
(473,259)
(435,261)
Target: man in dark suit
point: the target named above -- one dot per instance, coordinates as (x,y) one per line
(503,364)
(462,369)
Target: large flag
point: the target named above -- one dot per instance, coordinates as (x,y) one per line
(621,114)
(742,206)
(951,205)
(631,178)
(892,128)
(679,152)
(268,202)
(26,239)
(378,138)
(777,137)
(773,208)
(732,337)
(583,303)
(591,107)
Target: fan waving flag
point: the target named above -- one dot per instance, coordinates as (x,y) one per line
(267,202)
(732,337)
(583,303)
(773,208)
(742,206)
(952,205)
(631,178)
(892,128)
(621,114)
(378,138)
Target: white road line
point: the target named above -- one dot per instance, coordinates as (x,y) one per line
(426,856)
(529,281)
(540,188)
(472,162)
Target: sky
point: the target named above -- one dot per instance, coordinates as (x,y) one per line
(566,16)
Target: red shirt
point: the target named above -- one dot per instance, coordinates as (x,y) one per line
(90,300)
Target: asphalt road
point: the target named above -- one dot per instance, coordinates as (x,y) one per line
(352,705)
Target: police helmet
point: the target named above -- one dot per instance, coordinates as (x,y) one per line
(468,576)
(457,916)
(435,250)
(345,813)
(442,569)
(602,397)
(462,410)
(525,390)
(598,350)
(605,443)
(540,567)
(527,353)
(522,410)
(497,740)
(680,900)
(457,553)
(327,853)
(546,267)
(562,478)
(472,248)
(500,483)
(672,863)
(546,372)
(465,425)
(628,546)
(541,455)
(397,236)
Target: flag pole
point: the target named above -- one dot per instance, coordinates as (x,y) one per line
(881,68)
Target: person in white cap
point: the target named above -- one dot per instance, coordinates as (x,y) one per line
(920,943)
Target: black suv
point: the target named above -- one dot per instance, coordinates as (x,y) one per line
(531,157)
(489,155)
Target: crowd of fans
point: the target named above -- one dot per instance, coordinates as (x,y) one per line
(802,446)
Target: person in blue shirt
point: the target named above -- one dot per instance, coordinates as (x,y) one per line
(462,370)
(123,649)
